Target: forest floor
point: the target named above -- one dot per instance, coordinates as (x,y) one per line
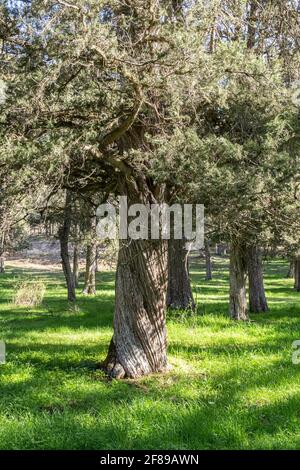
(231,386)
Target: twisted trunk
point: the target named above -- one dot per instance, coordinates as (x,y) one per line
(179,294)
(208,265)
(238,278)
(139,343)
(257,297)
(64,233)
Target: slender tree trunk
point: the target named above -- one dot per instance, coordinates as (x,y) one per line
(64,233)
(90,270)
(76,251)
(291,271)
(251,33)
(238,278)
(221,249)
(2,263)
(139,344)
(2,258)
(257,297)
(297,274)
(179,294)
(97,259)
(208,264)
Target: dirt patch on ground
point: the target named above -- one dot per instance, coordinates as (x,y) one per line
(33,264)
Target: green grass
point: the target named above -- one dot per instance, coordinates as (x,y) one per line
(232,386)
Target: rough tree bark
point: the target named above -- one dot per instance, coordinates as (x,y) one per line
(297,274)
(208,264)
(64,233)
(90,270)
(179,293)
(139,343)
(257,297)
(238,279)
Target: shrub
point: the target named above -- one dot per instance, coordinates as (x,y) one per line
(30,293)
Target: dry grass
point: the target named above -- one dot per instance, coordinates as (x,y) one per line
(30,294)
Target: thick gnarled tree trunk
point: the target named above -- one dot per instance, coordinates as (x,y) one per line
(208,264)
(297,274)
(139,343)
(64,233)
(90,270)
(179,294)
(238,279)
(257,297)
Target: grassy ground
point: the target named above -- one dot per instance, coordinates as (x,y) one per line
(232,386)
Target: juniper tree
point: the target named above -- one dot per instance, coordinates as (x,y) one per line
(94,86)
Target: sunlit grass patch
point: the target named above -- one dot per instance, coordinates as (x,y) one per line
(230,386)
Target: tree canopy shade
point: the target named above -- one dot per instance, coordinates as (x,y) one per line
(159,101)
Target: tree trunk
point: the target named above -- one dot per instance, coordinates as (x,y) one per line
(297,274)
(139,343)
(179,294)
(97,259)
(2,263)
(291,271)
(208,265)
(220,249)
(90,270)
(76,251)
(252,28)
(257,297)
(238,278)
(64,233)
